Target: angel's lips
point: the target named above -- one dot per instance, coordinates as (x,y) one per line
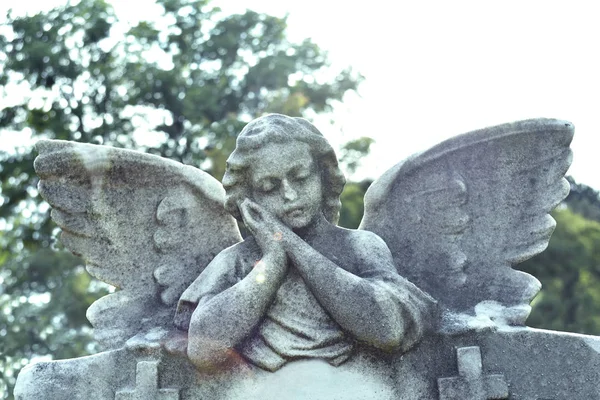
(295,212)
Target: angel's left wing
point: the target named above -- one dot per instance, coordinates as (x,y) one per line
(144,224)
(459,216)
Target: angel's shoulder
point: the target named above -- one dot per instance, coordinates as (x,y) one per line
(361,241)
(241,249)
(359,252)
(236,258)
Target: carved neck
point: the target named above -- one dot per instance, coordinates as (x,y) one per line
(313,229)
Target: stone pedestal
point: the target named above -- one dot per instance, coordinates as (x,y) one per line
(525,363)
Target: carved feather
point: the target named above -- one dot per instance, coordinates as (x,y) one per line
(459,216)
(143,224)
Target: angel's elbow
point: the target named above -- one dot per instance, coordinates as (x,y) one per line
(388,332)
(380,331)
(386,337)
(209,356)
(206,362)
(389,341)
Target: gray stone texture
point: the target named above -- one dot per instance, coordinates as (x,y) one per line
(458,216)
(299,286)
(420,303)
(132,216)
(535,364)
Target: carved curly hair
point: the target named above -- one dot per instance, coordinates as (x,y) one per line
(277,128)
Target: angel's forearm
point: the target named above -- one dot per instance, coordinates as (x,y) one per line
(373,318)
(225,320)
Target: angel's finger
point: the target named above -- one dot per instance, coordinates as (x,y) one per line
(253,206)
(247,215)
(258,213)
(264,215)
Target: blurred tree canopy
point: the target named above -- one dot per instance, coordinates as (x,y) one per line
(583,200)
(570,268)
(181,86)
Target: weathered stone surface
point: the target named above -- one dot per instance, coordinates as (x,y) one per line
(299,287)
(457,217)
(144,224)
(471,383)
(146,385)
(302,309)
(535,364)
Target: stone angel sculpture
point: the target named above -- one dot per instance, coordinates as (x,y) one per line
(434,252)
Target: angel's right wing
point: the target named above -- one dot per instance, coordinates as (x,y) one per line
(144,224)
(459,216)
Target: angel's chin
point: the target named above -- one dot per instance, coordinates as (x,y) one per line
(297,219)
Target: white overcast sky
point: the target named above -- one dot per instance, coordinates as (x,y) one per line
(435,69)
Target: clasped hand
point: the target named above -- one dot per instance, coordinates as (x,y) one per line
(269,232)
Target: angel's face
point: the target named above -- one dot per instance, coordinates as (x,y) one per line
(285,182)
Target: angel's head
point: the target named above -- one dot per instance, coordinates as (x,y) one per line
(285,165)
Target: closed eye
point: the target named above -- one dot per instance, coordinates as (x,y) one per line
(267,185)
(302,174)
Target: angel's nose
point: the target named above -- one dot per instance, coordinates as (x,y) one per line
(289,193)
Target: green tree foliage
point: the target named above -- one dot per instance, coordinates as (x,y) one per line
(188,80)
(570,274)
(352,203)
(351,155)
(181,86)
(583,200)
(353,151)
(570,268)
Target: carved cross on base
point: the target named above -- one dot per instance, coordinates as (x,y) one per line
(471,384)
(146,385)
